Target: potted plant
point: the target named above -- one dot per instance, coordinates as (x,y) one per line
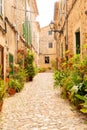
(30,71)
(11,87)
(29,66)
(14,86)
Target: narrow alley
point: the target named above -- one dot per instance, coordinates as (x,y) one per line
(40,107)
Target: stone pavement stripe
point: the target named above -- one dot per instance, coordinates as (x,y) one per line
(39,107)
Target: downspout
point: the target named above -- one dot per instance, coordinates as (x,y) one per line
(66,24)
(27,22)
(25,9)
(5,64)
(16,27)
(31,24)
(38,48)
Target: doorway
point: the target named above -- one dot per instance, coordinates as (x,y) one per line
(1,61)
(77,36)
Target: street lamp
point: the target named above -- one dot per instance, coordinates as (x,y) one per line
(53,29)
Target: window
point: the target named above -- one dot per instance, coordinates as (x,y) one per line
(66,48)
(77,35)
(27,31)
(11,59)
(0,7)
(47,60)
(49,32)
(50,45)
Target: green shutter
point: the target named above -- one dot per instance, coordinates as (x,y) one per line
(11,63)
(27,32)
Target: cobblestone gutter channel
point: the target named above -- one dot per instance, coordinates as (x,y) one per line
(39,107)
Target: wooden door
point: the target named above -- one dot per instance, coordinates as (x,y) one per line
(1,62)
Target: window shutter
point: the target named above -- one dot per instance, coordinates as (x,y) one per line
(0,7)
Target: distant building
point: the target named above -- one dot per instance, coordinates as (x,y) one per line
(47,48)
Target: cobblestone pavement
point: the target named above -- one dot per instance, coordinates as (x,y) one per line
(39,107)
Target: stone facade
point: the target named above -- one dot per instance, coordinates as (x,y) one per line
(47,48)
(35,43)
(73,21)
(12,17)
(35,27)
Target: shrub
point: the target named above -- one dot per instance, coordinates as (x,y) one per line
(40,70)
(2,89)
(20,75)
(15,84)
(29,65)
(53,64)
(73,79)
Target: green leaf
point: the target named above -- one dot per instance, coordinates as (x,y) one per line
(84,110)
(80,97)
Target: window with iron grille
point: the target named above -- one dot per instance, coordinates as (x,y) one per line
(50,45)
(49,32)
(47,60)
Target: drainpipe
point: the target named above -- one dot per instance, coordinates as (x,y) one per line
(16,27)
(56,38)
(66,23)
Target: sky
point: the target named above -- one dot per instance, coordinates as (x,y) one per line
(46,11)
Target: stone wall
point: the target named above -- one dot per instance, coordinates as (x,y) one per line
(77,21)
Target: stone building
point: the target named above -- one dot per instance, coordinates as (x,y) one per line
(47,48)
(16,30)
(72,19)
(35,27)
(2,45)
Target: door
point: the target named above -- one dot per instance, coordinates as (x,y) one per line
(77,42)
(1,62)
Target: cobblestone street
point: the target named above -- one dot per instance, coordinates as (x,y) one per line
(39,107)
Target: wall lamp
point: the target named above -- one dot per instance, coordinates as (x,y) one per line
(52,27)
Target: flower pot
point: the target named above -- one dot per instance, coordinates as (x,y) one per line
(11,91)
(30,79)
(7,80)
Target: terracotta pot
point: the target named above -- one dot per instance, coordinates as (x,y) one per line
(7,79)
(27,79)
(11,91)
(30,79)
